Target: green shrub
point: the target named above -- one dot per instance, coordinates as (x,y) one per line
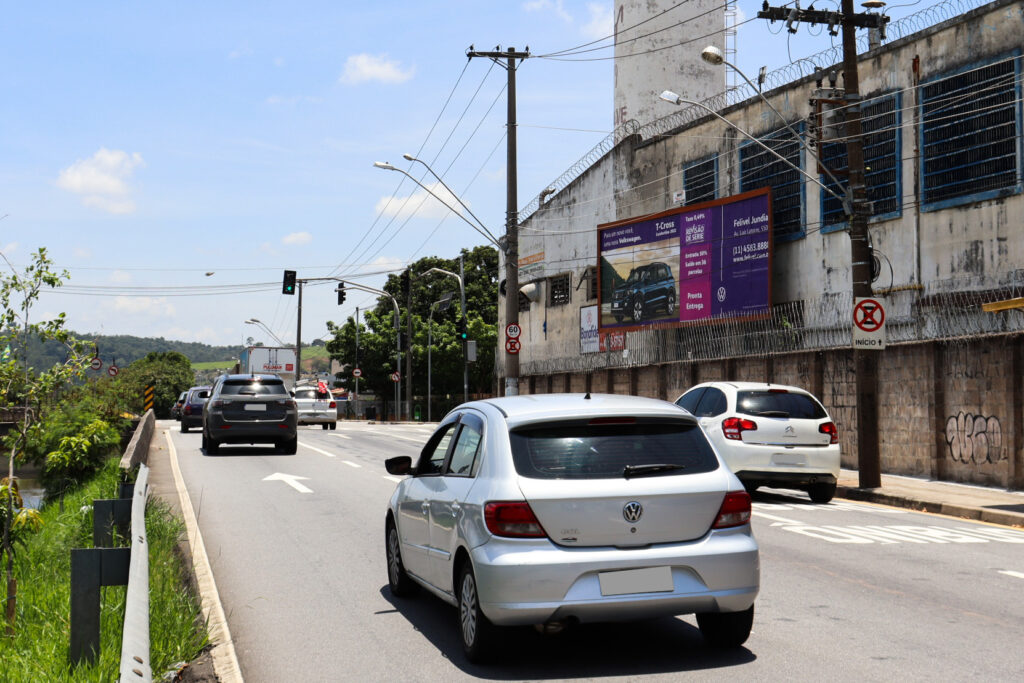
(77,455)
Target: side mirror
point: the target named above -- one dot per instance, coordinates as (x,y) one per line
(292,393)
(401,464)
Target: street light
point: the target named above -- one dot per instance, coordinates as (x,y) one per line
(444,302)
(712,55)
(670,96)
(462,298)
(254,321)
(409,157)
(479,228)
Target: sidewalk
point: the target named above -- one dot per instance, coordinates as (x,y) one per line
(996,506)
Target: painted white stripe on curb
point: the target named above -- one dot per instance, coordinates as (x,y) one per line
(225,659)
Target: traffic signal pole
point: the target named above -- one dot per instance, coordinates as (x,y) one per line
(298,336)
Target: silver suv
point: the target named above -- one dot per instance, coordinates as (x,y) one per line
(250,409)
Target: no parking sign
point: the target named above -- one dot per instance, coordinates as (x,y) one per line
(868,323)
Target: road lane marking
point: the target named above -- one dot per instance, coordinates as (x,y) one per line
(778,520)
(291,480)
(351,464)
(318,450)
(394,479)
(342,436)
(225,659)
(1016,575)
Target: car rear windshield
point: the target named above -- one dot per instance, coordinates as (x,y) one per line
(248,387)
(580,450)
(311,393)
(767,403)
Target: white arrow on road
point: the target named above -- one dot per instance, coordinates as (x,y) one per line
(290,479)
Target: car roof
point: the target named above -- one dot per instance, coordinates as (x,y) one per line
(751,386)
(543,407)
(255,376)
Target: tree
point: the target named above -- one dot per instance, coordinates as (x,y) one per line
(377,330)
(169,372)
(25,392)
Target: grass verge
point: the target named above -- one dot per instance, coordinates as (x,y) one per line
(39,649)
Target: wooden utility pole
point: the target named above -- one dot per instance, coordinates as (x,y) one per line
(858,210)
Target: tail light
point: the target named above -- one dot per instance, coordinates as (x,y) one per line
(512,520)
(333,405)
(286,402)
(830,429)
(188,410)
(735,510)
(218,403)
(733,427)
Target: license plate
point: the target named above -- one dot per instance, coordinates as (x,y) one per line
(789,459)
(255,406)
(650,580)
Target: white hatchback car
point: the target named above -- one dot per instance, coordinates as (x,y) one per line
(560,508)
(769,434)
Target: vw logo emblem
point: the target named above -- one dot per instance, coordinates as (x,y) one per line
(721,294)
(632,511)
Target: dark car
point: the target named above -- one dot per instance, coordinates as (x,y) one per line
(176,408)
(250,409)
(648,288)
(192,408)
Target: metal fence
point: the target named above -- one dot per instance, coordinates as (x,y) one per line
(946,310)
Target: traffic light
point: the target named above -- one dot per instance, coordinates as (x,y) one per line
(341,293)
(463,330)
(289,282)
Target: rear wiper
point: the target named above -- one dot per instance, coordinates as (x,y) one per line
(643,470)
(771,413)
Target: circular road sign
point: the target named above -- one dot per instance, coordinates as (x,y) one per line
(95,364)
(512,331)
(869,315)
(512,346)
(357,373)
(395,376)
(112,371)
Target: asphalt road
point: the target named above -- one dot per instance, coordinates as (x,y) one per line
(850,591)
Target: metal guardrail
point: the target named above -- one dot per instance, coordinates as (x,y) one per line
(103,565)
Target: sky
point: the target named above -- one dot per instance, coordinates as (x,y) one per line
(176,157)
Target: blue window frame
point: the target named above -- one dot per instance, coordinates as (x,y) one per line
(700,180)
(759,168)
(880,121)
(971,134)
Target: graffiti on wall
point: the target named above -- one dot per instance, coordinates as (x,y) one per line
(974,438)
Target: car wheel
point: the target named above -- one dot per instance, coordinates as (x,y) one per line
(670,303)
(726,629)
(477,630)
(751,487)
(184,429)
(398,580)
(326,426)
(638,310)
(334,425)
(212,448)
(289,447)
(821,493)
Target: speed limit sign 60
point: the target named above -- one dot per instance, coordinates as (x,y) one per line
(512,331)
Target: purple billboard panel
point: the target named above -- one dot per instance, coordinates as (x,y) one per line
(687,265)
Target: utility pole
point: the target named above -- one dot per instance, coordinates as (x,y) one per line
(865,362)
(465,342)
(511,211)
(298,337)
(357,352)
(408,344)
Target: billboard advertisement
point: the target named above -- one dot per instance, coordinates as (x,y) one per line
(688,264)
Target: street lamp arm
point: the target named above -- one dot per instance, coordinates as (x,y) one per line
(486,233)
(410,157)
(254,321)
(670,96)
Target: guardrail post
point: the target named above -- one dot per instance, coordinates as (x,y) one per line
(107,515)
(92,568)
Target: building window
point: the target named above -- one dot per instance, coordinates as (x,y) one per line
(700,180)
(880,121)
(559,289)
(970,128)
(760,168)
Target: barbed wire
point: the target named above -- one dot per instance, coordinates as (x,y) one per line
(947,310)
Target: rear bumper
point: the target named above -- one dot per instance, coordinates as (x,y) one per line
(534,582)
(784,464)
(221,431)
(317,418)
(784,479)
(192,420)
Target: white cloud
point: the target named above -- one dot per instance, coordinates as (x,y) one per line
(601,24)
(144,306)
(102,180)
(363,67)
(420,203)
(268,248)
(9,248)
(120,276)
(556,6)
(82,253)
(297,238)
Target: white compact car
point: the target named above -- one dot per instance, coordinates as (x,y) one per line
(769,434)
(560,508)
(316,406)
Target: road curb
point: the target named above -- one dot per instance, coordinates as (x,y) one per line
(1003,518)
